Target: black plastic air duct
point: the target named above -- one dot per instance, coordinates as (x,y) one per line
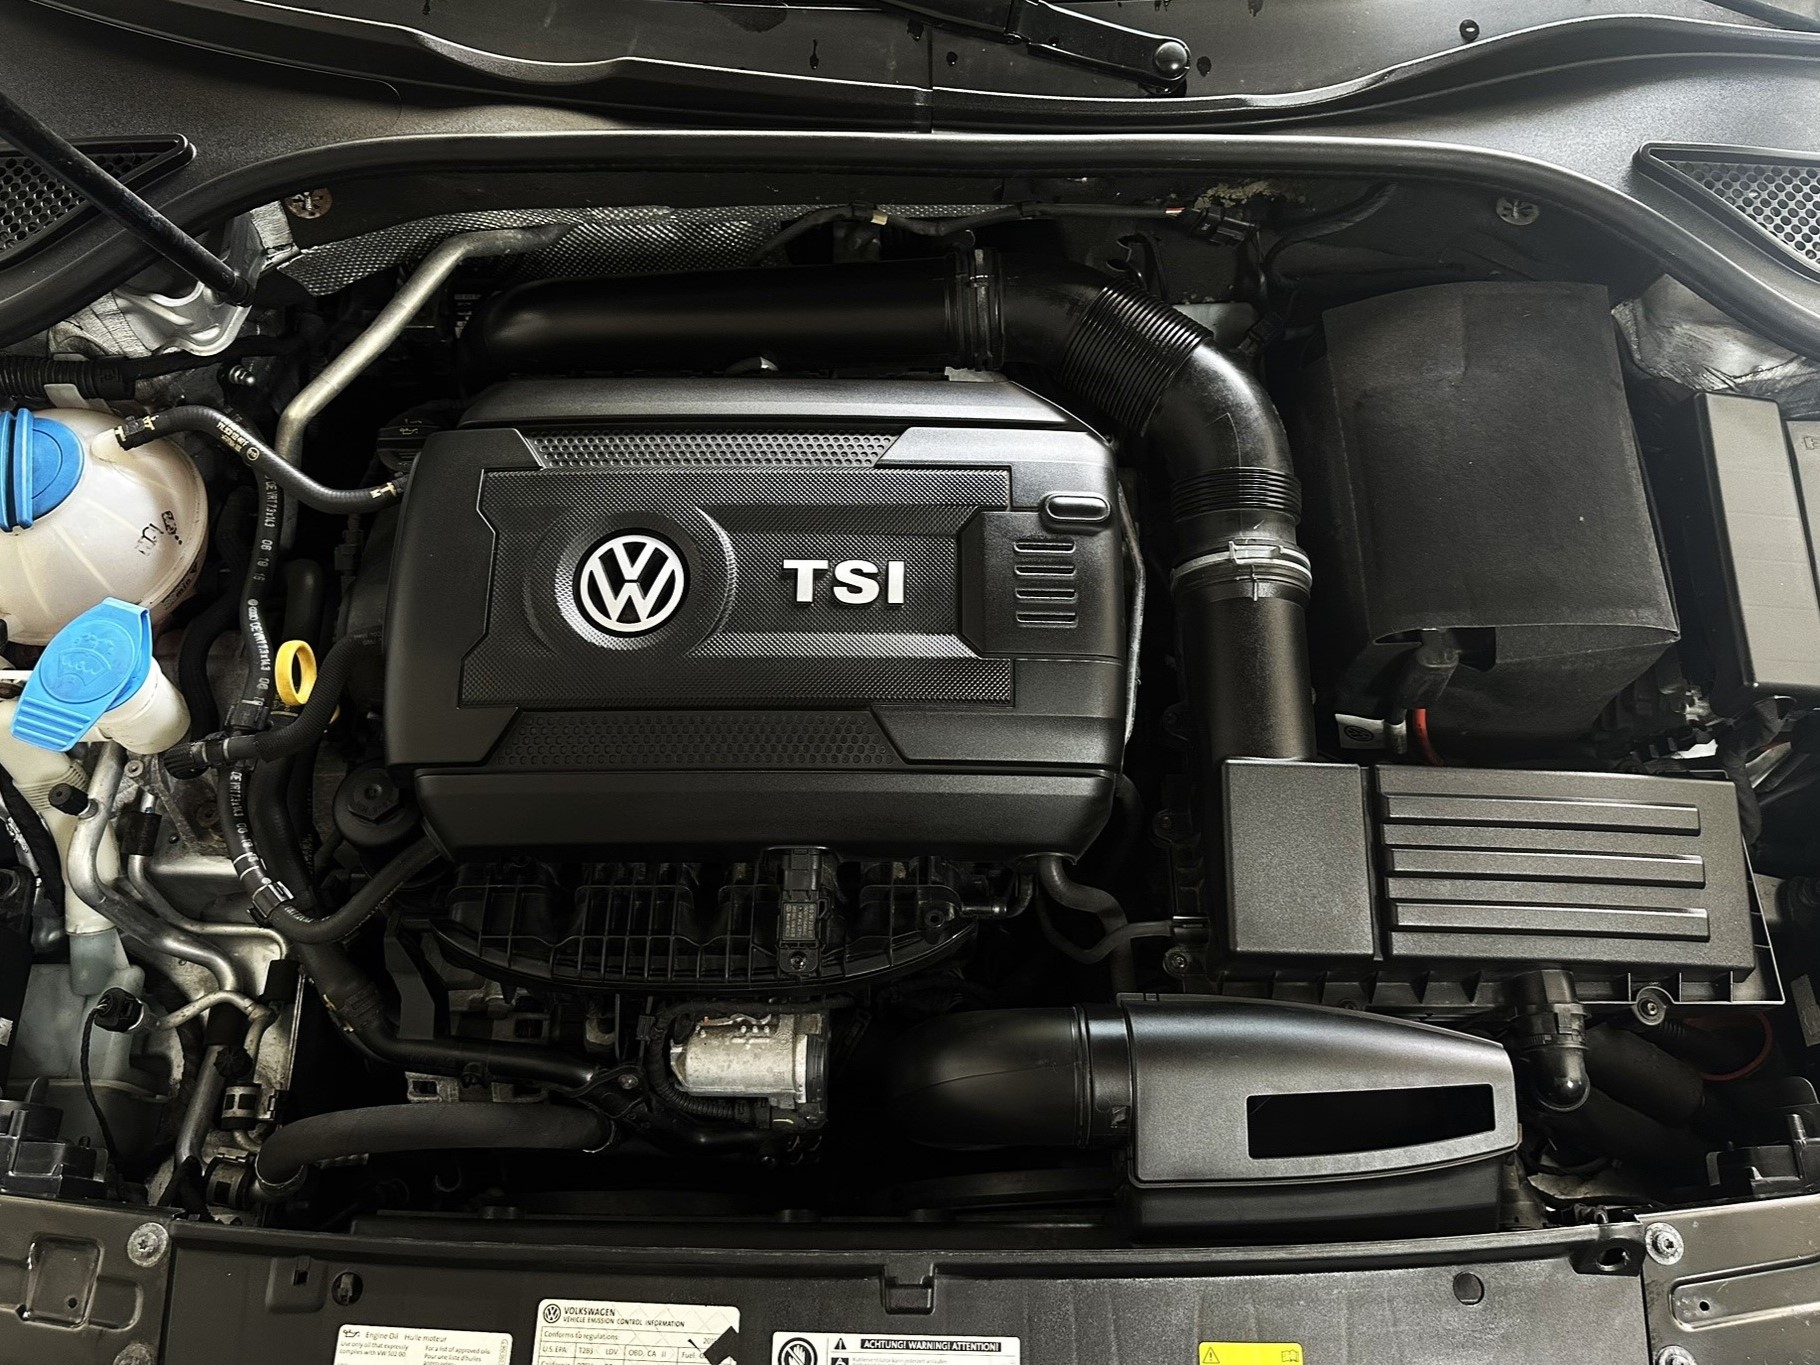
(1240,583)
(1226,1109)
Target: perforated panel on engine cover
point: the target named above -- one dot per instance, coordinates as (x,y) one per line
(623,614)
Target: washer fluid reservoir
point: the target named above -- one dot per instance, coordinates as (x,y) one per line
(82,519)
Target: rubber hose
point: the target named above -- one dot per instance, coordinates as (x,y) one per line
(199,637)
(1634,1071)
(1719,1053)
(137,431)
(280,741)
(1118,941)
(275,834)
(362,904)
(1602,1125)
(359,1007)
(110,379)
(1063,890)
(39,844)
(423,1128)
(262,555)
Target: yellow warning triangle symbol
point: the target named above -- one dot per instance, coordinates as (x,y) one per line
(1209,1355)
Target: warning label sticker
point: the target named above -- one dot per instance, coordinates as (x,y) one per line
(363,1345)
(863,1348)
(1250,1353)
(610,1332)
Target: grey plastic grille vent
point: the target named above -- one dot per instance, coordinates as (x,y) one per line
(1772,197)
(706,448)
(35,206)
(1046,593)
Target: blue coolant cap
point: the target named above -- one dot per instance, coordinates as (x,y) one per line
(90,666)
(40,462)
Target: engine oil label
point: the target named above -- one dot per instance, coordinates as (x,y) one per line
(869,1348)
(610,1332)
(358,1344)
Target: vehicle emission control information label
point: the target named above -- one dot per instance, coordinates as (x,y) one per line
(609,1332)
(363,1345)
(873,1348)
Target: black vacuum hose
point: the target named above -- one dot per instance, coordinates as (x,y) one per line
(1052,875)
(360,1009)
(297,1145)
(1240,583)
(137,431)
(48,910)
(362,905)
(194,758)
(268,809)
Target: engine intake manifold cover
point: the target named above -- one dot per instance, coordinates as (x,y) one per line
(709,615)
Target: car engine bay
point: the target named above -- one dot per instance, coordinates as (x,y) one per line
(1249,713)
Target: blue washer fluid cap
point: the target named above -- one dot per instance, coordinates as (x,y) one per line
(90,666)
(40,463)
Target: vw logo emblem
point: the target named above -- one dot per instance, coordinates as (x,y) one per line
(630,583)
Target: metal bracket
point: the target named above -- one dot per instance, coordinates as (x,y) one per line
(1154,60)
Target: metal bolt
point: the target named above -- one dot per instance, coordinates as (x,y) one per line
(1675,1355)
(628,1081)
(345,1288)
(147,1244)
(1663,1243)
(309,204)
(135,767)
(1650,1006)
(1518,212)
(136,1353)
(1176,961)
(1170,58)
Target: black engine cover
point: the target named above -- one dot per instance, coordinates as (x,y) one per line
(698,616)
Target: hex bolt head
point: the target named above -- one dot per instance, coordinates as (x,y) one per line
(1675,1355)
(136,1353)
(148,1244)
(1663,1244)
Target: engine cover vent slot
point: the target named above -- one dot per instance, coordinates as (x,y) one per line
(566,448)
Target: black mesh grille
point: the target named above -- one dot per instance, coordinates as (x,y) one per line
(1777,198)
(695,739)
(686,448)
(34,203)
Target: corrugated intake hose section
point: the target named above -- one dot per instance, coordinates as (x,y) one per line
(1240,583)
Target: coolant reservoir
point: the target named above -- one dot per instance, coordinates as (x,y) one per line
(82,519)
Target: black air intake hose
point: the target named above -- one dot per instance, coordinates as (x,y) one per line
(301,1143)
(1240,583)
